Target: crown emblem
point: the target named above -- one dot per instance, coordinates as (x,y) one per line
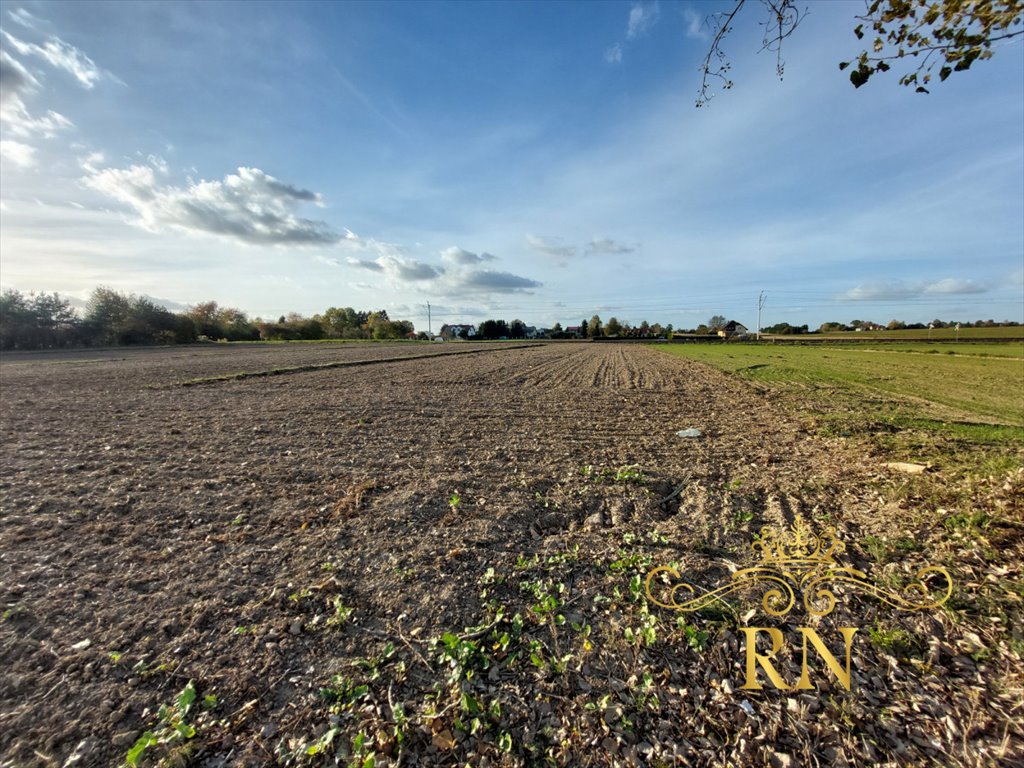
(797,562)
(797,552)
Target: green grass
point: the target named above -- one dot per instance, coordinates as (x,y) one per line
(937,334)
(1011,348)
(979,390)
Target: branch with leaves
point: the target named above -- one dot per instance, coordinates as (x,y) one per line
(956,33)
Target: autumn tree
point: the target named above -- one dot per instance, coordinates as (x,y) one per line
(951,34)
(613,327)
(717,322)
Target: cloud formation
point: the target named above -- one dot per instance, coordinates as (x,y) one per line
(61,55)
(250,207)
(23,17)
(489,281)
(552,246)
(613,55)
(894,290)
(462,276)
(955,286)
(22,155)
(642,16)
(16,84)
(460,257)
(694,24)
(608,246)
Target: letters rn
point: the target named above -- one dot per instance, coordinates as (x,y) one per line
(804,683)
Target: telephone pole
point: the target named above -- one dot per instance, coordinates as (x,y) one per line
(761,299)
(430,330)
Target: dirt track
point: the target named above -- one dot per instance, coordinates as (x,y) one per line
(204,533)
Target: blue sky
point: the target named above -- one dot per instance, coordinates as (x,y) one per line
(542,161)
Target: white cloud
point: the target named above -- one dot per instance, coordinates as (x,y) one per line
(642,16)
(92,162)
(62,56)
(893,290)
(14,78)
(250,206)
(24,18)
(613,55)
(489,281)
(22,155)
(694,24)
(955,286)
(16,83)
(552,246)
(391,263)
(608,246)
(461,257)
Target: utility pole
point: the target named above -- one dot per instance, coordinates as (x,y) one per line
(430,330)
(760,305)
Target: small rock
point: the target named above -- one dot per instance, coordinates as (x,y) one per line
(782,760)
(125,738)
(595,520)
(81,646)
(81,753)
(268,730)
(692,432)
(905,467)
(296,627)
(613,714)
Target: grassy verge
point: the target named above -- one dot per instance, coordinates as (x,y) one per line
(961,416)
(971,388)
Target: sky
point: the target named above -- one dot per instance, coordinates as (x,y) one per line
(526,160)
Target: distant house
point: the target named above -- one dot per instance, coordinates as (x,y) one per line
(574,330)
(530,332)
(732,329)
(457,331)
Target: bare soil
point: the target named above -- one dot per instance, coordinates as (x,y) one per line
(153,534)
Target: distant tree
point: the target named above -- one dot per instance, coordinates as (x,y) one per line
(785,329)
(517,330)
(36,320)
(342,323)
(584,329)
(896,325)
(107,315)
(595,327)
(717,322)
(831,327)
(644,328)
(613,327)
(15,319)
(493,329)
(556,331)
(657,330)
(204,317)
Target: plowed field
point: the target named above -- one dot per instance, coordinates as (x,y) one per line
(435,560)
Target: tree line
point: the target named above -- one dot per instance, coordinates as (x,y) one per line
(893,325)
(110,318)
